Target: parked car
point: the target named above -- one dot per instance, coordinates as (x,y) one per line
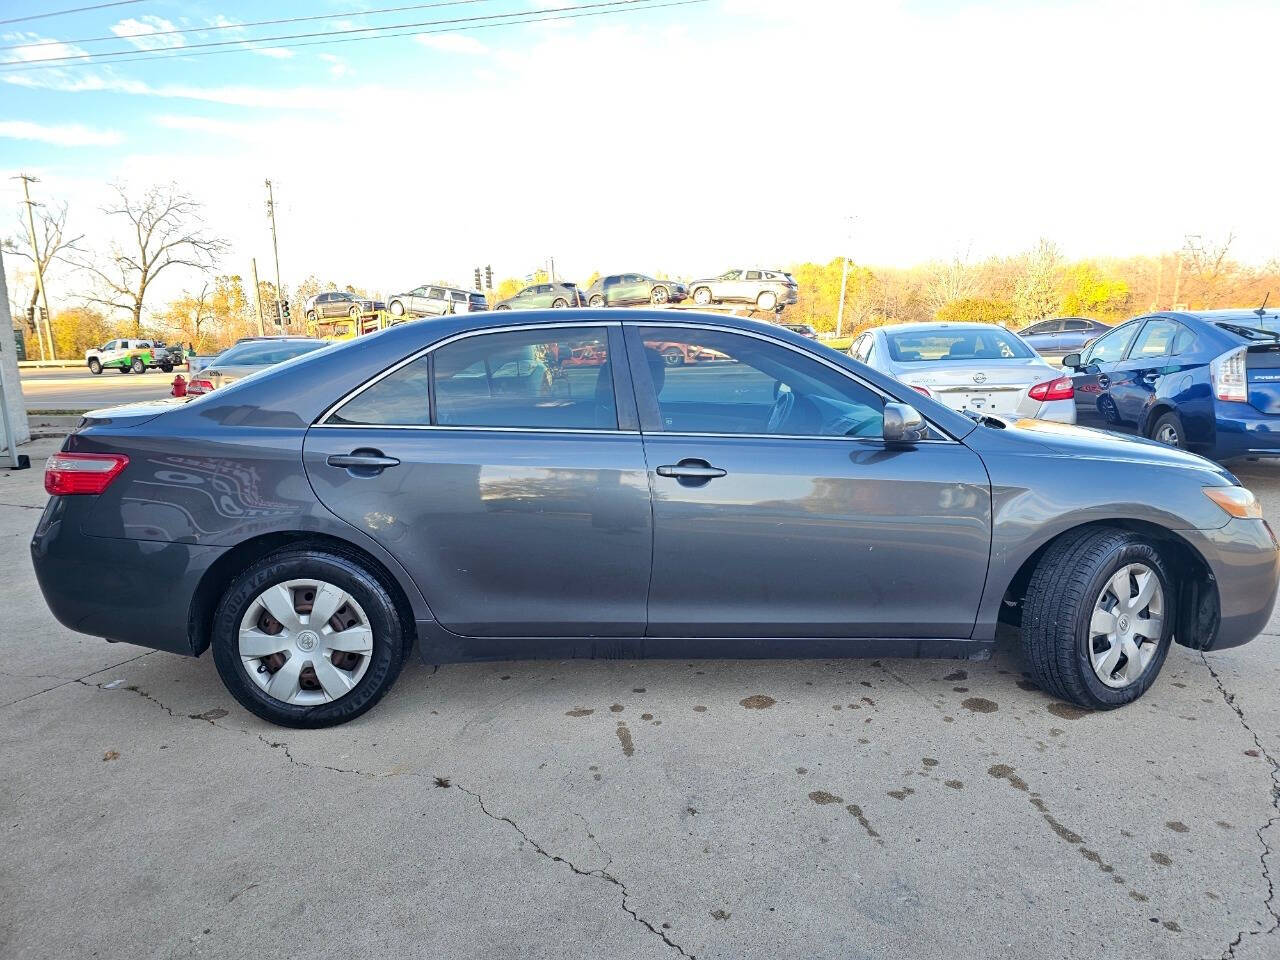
(767,289)
(249,356)
(1063,335)
(458,488)
(629,289)
(969,366)
(128,356)
(804,329)
(1207,381)
(339,303)
(435,300)
(541,295)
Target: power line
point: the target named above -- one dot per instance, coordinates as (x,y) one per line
(82,58)
(468,23)
(58,13)
(245,26)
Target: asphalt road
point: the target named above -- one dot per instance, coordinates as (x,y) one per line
(887,809)
(78,389)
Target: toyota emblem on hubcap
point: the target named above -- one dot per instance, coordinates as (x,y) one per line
(307,640)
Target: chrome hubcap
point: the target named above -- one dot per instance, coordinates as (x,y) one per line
(1125,628)
(1167,434)
(305,642)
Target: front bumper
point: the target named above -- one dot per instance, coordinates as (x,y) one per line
(1245,563)
(132,591)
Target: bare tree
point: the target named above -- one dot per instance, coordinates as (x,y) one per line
(54,246)
(1035,294)
(166,229)
(951,281)
(1208,263)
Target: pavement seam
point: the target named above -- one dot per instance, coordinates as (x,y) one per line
(69,680)
(601,874)
(1269,903)
(21,506)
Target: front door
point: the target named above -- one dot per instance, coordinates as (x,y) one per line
(1134,379)
(498,475)
(778,510)
(1092,379)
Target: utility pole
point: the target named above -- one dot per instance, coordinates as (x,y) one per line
(553,269)
(275,247)
(257,294)
(844,277)
(27,180)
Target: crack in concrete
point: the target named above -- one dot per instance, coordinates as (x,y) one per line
(69,680)
(601,874)
(21,506)
(1269,903)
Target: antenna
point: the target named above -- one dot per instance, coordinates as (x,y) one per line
(1262,310)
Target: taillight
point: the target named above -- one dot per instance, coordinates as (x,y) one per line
(920,389)
(67,474)
(1060,389)
(197,387)
(1228,374)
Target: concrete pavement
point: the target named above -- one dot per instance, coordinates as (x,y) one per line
(844,809)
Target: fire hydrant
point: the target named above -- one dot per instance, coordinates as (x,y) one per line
(179,386)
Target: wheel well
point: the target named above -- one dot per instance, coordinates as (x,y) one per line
(228,566)
(1155,413)
(1196,608)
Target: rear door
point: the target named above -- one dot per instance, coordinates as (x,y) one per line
(1075,334)
(510,484)
(778,510)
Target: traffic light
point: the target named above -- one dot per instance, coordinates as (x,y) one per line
(488,278)
(477,278)
(284,307)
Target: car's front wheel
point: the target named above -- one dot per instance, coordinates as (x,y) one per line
(660,295)
(396,308)
(1098,617)
(95,367)
(559,303)
(597,300)
(308,638)
(702,296)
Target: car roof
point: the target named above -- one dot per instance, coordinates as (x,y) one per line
(1243,314)
(941,325)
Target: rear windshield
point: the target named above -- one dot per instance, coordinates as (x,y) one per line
(265,353)
(478,298)
(1258,328)
(909,346)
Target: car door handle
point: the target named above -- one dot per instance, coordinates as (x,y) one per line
(370,460)
(1150,378)
(1104,381)
(691,470)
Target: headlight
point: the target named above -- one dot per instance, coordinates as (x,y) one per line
(1236,501)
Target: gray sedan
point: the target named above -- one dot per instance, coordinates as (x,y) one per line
(970,366)
(543,485)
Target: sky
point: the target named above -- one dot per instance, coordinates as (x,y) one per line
(686,139)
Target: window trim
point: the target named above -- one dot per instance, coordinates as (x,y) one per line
(625,411)
(646,398)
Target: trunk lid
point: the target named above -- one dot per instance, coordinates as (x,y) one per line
(129,414)
(992,386)
(1262,369)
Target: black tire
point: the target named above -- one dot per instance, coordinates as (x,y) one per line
(559,303)
(597,300)
(138,365)
(502,306)
(124,369)
(390,642)
(1060,598)
(1168,430)
(659,295)
(167,367)
(95,366)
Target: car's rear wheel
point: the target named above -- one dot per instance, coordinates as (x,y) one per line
(308,638)
(597,300)
(166,367)
(1168,430)
(559,303)
(95,367)
(502,306)
(138,365)
(124,368)
(354,313)
(702,296)
(1098,618)
(673,357)
(659,295)
(311,316)
(767,300)
(396,308)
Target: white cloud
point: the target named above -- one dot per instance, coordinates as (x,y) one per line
(140,31)
(338,68)
(62,135)
(452,43)
(278,53)
(36,47)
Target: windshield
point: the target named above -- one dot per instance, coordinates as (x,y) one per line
(266,352)
(993,343)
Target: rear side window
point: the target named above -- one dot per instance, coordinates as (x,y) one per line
(1077,326)
(1155,340)
(398,399)
(549,379)
(436,293)
(753,274)
(1184,341)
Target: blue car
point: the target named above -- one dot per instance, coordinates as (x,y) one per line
(1062,335)
(1208,381)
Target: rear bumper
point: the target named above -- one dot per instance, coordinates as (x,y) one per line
(1241,431)
(1246,566)
(132,591)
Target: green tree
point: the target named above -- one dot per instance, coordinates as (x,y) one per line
(1088,291)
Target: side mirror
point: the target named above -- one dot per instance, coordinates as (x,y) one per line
(903,423)
(1072,360)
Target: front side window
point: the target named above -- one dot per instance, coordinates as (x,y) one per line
(1155,340)
(1111,347)
(550,379)
(731,275)
(711,381)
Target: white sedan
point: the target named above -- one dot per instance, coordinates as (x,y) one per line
(977,367)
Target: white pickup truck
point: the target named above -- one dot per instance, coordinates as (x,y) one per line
(129,356)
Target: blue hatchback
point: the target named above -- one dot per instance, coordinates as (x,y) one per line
(1208,381)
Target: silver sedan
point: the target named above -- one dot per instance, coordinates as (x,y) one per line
(976,367)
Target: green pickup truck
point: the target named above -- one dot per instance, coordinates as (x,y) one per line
(130,356)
